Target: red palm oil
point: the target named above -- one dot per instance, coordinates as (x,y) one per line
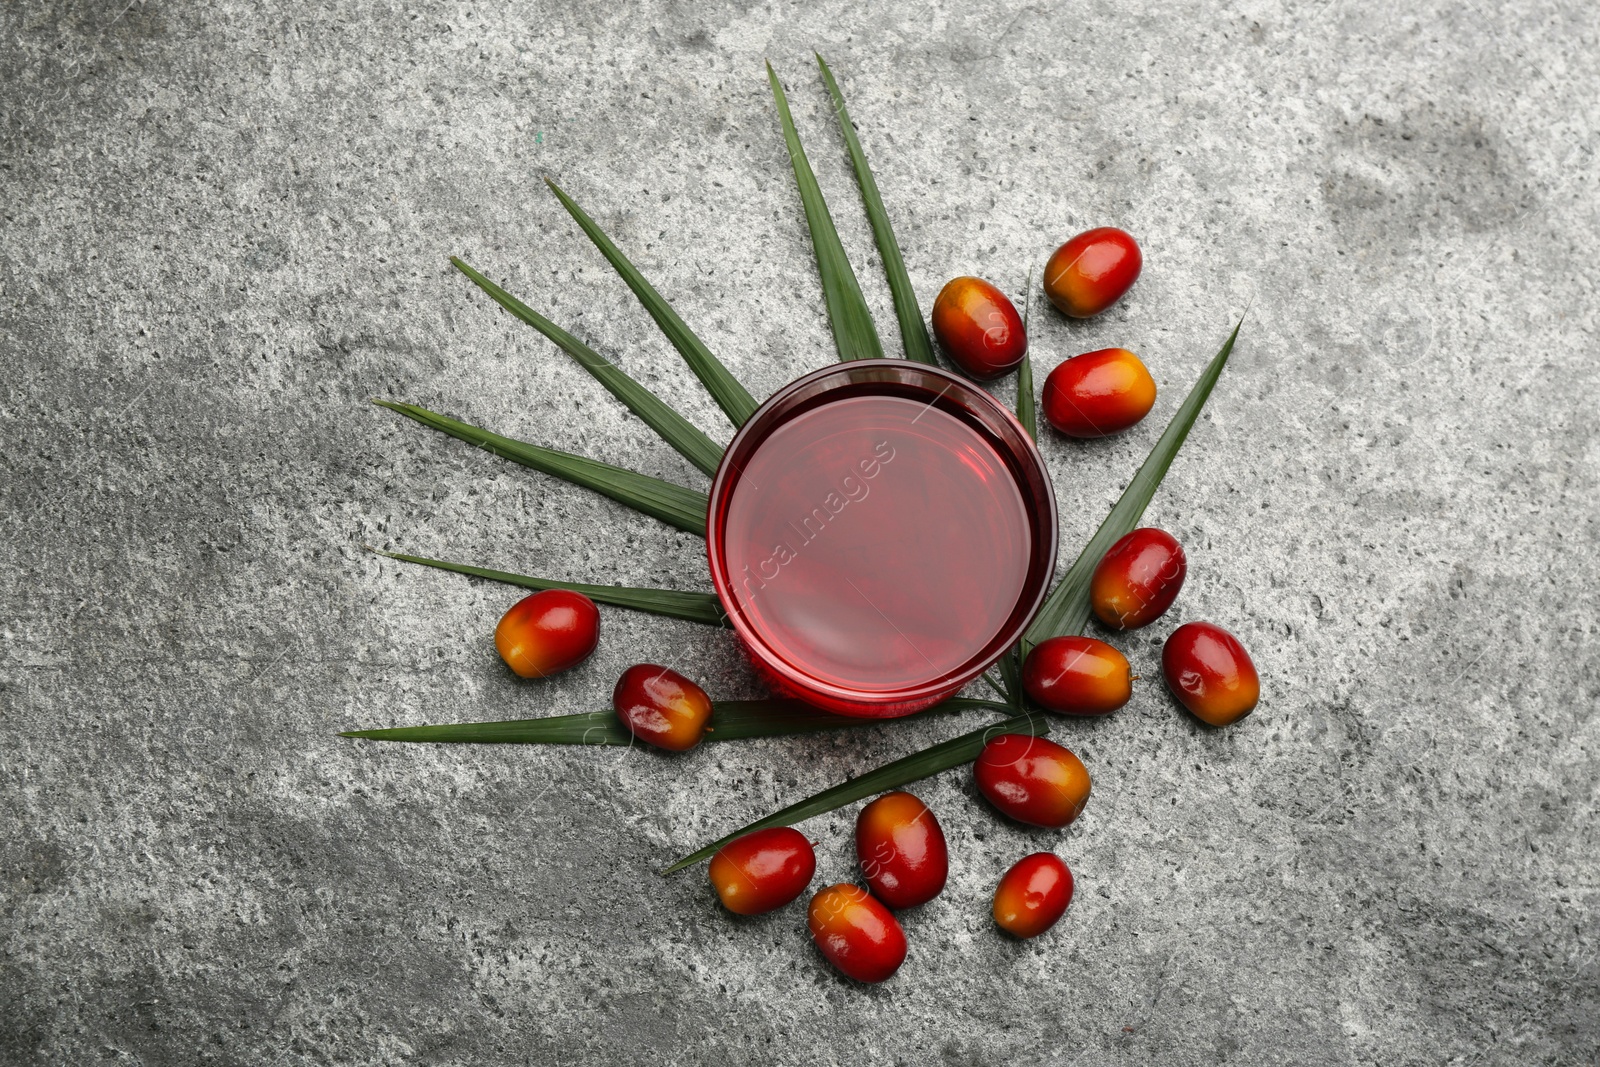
(876,548)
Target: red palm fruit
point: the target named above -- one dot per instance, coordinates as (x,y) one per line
(978,328)
(1091,271)
(1032,895)
(1098,393)
(661,707)
(548,632)
(856,933)
(1210,673)
(901,850)
(763,870)
(1032,779)
(1077,676)
(1137,581)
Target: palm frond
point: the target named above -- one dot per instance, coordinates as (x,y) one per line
(731,720)
(734,399)
(913,330)
(672,504)
(695,607)
(673,428)
(1027,414)
(912,768)
(854,334)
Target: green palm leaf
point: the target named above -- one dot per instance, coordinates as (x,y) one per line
(673,428)
(853,332)
(913,330)
(1067,610)
(695,607)
(731,720)
(724,388)
(1027,414)
(1011,662)
(672,504)
(912,768)
(1011,671)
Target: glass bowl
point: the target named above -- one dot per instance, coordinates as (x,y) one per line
(880,532)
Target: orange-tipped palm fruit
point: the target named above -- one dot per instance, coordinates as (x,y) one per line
(1210,673)
(1033,895)
(662,707)
(1098,393)
(856,933)
(1092,271)
(1074,675)
(548,632)
(978,328)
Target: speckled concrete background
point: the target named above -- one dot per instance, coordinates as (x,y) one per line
(226,227)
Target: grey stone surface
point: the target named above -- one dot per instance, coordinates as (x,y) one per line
(226,227)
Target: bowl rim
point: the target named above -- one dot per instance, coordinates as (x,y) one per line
(764,420)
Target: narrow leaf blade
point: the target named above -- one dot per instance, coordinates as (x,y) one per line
(695,607)
(1011,671)
(854,334)
(738,720)
(673,428)
(1066,610)
(731,720)
(913,330)
(589,728)
(912,768)
(1027,414)
(672,504)
(730,395)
